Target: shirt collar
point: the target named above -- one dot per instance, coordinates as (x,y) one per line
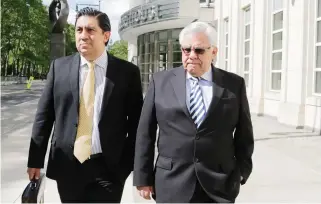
(206,76)
(101,61)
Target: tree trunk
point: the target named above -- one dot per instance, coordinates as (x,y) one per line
(14,53)
(14,68)
(33,69)
(18,67)
(28,69)
(42,76)
(24,65)
(6,65)
(4,69)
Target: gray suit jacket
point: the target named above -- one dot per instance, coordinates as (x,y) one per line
(216,154)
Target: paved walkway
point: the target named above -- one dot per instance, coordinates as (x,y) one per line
(287,162)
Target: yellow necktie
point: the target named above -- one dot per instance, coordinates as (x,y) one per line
(82,147)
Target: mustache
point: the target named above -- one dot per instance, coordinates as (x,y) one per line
(84,43)
(198,62)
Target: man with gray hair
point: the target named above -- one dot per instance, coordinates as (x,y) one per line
(205,141)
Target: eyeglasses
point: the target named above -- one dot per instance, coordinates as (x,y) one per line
(197,50)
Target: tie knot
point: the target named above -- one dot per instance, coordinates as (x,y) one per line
(195,79)
(91,65)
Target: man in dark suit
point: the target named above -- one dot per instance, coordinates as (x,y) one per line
(94,102)
(205,141)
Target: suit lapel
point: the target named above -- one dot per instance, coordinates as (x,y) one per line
(109,84)
(179,86)
(217,91)
(74,80)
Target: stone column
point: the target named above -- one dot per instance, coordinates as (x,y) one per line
(292,105)
(259,56)
(234,43)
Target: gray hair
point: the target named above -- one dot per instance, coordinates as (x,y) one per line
(200,27)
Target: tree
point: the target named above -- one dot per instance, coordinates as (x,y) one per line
(70,39)
(119,49)
(110,43)
(24,37)
(25,31)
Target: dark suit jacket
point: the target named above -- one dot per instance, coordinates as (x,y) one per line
(59,104)
(216,154)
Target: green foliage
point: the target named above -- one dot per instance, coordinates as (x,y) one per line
(119,49)
(70,39)
(25,45)
(24,37)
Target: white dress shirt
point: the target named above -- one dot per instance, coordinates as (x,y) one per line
(206,86)
(100,80)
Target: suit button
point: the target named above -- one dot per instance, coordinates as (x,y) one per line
(196,160)
(71,146)
(197,137)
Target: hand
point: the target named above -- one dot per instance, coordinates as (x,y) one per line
(145,191)
(33,173)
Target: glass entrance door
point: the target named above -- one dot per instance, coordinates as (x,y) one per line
(158,51)
(162,49)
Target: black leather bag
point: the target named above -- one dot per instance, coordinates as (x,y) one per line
(34,191)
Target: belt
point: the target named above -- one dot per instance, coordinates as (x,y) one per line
(94,156)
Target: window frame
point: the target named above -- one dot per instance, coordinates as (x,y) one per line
(273,51)
(226,42)
(247,40)
(316,45)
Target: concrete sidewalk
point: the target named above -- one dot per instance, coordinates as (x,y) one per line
(287,164)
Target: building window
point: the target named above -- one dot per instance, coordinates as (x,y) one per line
(247,45)
(317,70)
(214,61)
(226,22)
(162,50)
(146,57)
(277,39)
(206,1)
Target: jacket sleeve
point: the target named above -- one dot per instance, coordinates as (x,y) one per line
(134,107)
(243,138)
(43,123)
(145,142)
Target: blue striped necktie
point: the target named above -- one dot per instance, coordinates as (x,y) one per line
(197,107)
